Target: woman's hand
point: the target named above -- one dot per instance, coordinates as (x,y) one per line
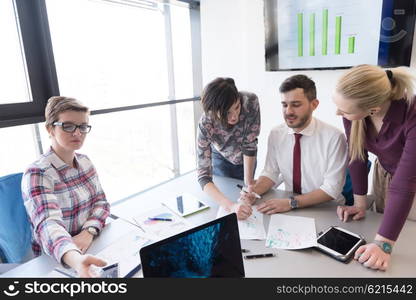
(243,210)
(83,264)
(371,256)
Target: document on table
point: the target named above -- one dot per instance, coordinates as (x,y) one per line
(251,228)
(156,225)
(125,251)
(289,232)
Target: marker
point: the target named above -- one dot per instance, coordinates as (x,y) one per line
(244,189)
(160,219)
(259,255)
(245,250)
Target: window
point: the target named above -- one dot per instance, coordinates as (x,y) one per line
(17,149)
(14,88)
(112,55)
(129,61)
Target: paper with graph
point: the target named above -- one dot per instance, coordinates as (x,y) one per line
(289,232)
(250,229)
(160,229)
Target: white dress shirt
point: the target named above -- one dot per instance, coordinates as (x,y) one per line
(323,158)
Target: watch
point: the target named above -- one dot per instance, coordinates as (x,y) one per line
(293,202)
(92,230)
(385,246)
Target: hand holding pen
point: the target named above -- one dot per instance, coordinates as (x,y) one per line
(242,210)
(247,195)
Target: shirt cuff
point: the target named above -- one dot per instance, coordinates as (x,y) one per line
(204,180)
(271,176)
(93,223)
(332,192)
(249,152)
(63,248)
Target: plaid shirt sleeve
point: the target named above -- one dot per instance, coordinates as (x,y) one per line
(45,214)
(100,207)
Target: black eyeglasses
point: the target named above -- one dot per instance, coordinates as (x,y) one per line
(69,127)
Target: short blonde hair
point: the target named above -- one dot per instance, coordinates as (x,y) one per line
(371,86)
(60,104)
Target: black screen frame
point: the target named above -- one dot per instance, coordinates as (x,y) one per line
(230,219)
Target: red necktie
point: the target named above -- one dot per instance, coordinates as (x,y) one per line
(296,165)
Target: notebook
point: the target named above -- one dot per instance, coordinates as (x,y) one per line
(209,250)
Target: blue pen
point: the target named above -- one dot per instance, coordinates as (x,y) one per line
(160,219)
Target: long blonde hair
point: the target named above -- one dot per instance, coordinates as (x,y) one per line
(371,86)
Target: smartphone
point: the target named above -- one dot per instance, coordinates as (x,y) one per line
(339,243)
(110,271)
(185,204)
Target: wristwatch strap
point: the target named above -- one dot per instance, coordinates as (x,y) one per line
(293,202)
(385,246)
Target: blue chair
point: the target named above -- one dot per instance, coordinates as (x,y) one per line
(347,191)
(15,230)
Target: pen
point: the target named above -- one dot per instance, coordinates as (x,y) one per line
(127,221)
(245,191)
(160,219)
(259,255)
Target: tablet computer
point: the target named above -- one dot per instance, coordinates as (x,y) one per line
(185,204)
(339,243)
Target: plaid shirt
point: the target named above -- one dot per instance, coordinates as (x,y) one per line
(61,201)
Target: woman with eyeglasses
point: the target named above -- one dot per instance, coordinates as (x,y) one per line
(227,140)
(62,193)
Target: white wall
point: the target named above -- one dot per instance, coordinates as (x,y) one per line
(232,33)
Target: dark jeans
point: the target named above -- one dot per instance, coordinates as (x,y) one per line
(222,167)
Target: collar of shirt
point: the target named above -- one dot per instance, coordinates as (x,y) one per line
(58,163)
(308,131)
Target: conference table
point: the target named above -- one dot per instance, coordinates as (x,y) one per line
(308,263)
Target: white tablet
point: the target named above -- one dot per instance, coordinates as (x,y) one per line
(185,204)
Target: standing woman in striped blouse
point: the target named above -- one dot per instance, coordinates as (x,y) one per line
(227,140)
(61,191)
(379,114)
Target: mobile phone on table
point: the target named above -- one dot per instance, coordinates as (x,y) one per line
(339,243)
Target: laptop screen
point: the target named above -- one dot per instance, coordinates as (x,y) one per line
(209,250)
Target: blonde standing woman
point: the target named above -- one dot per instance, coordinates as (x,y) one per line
(379,115)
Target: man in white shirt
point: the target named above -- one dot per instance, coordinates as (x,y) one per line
(308,154)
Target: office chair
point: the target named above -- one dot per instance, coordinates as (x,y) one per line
(15,230)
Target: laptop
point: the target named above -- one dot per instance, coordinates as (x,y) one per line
(209,250)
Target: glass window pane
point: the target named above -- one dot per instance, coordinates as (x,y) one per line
(131,150)
(109,53)
(14,88)
(186,136)
(182,51)
(18,150)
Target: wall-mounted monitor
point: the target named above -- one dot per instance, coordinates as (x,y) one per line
(333,34)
